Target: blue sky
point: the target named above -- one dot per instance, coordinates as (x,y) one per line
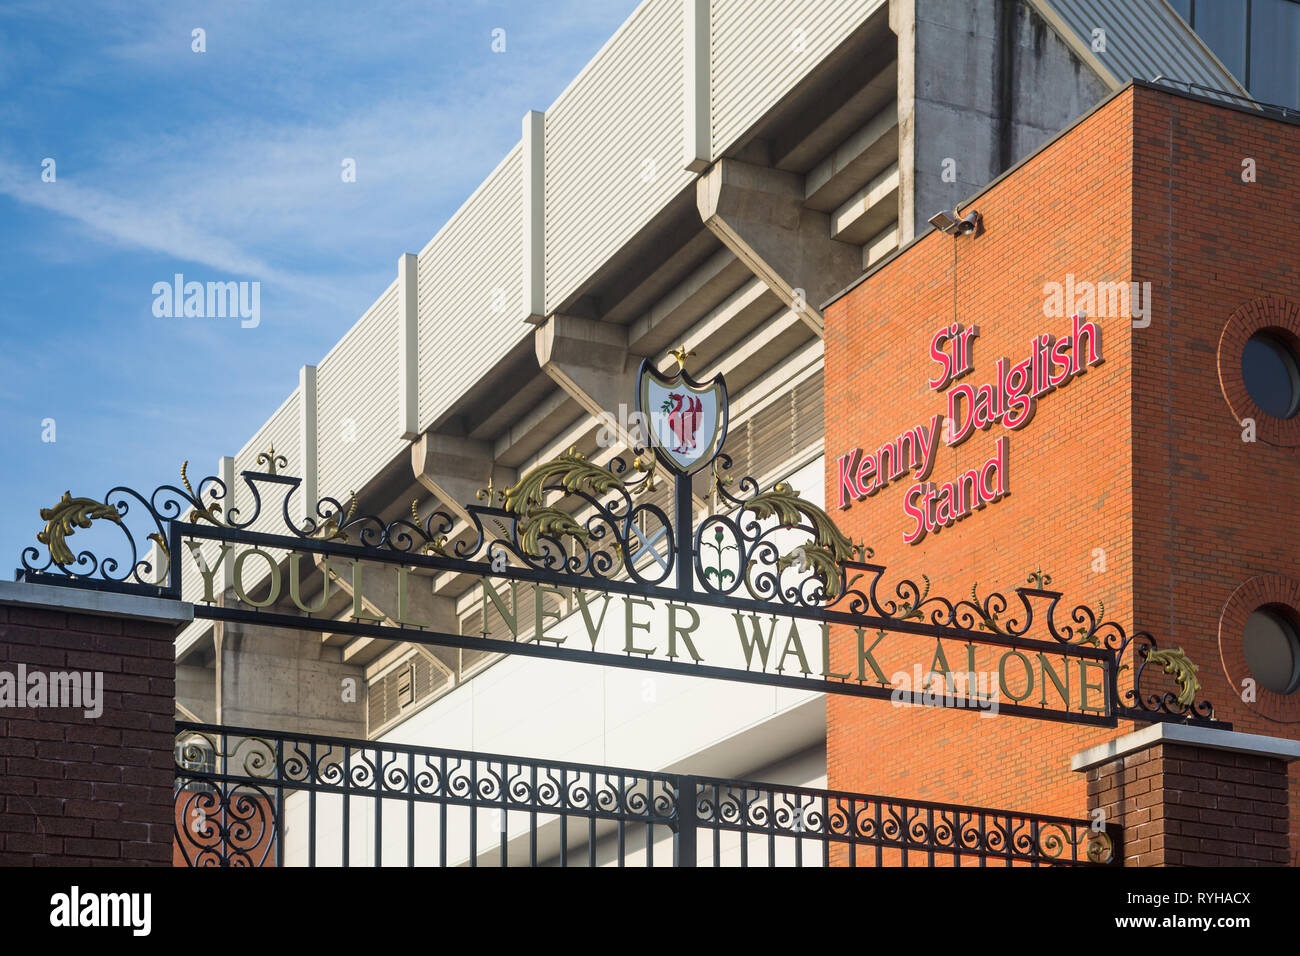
(225,165)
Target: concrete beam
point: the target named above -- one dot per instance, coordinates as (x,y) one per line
(688,299)
(857,160)
(880,245)
(759,214)
(454,469)
(284,679)
(865,213)
(541,419)
(590,361)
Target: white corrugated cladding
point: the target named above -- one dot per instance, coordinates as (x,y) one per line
(1143,39)
(471,295)
(759,50)
(614,145)
(357,402)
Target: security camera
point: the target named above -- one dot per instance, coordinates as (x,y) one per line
(955,224)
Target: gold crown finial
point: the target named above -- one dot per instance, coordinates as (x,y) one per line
(272,460)
(681,355)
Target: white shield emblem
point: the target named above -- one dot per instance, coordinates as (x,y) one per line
(686,419)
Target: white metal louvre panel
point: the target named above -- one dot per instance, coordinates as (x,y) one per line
(759,50)
(357,402)
(471,292)
(785,427)
(400,689)
(614,145)
(767,442)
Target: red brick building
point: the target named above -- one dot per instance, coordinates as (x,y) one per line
(1148,479)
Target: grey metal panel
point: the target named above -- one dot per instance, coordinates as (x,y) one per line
(1142,38)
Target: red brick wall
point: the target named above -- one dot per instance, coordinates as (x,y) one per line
(88,791)
(1119,459)
(1066,210)
(1210,511)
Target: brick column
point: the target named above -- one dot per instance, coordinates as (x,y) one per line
(89,784)
(1190,796)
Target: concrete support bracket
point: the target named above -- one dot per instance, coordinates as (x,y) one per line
(759,214)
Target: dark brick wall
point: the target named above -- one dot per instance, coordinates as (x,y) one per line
(76,790)
(1182,805)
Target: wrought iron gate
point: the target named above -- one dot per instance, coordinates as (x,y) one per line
(261,798)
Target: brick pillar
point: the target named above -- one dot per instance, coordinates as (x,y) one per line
(1191,796)
(79,788)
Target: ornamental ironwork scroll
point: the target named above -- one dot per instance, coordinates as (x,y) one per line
(235,788)
(573,522)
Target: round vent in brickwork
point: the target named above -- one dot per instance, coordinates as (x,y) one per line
(1259,644)
(1259,369)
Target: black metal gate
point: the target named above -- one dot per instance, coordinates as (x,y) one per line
(261,798)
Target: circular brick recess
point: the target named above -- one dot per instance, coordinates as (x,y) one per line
(1249,597)
(1273,314)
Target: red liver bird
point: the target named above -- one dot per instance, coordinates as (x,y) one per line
(684,420)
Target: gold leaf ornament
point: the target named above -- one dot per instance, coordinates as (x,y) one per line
(1176,663)
(64,518)
(829,548)
(573,472)
(211,513)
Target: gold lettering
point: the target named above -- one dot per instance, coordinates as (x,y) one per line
(402,615)
(1002,676)
(865,656)
(826,656)
(295,583)
(793,644)
(274,569)
(593,630)
(633,625)
(208,573)
(1049,674)
(541,615)
(359,613)
(1084,687)
(764,645)
(674,629)
(941,659)
(510,617)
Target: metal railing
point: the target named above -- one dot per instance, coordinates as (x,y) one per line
(263,798)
